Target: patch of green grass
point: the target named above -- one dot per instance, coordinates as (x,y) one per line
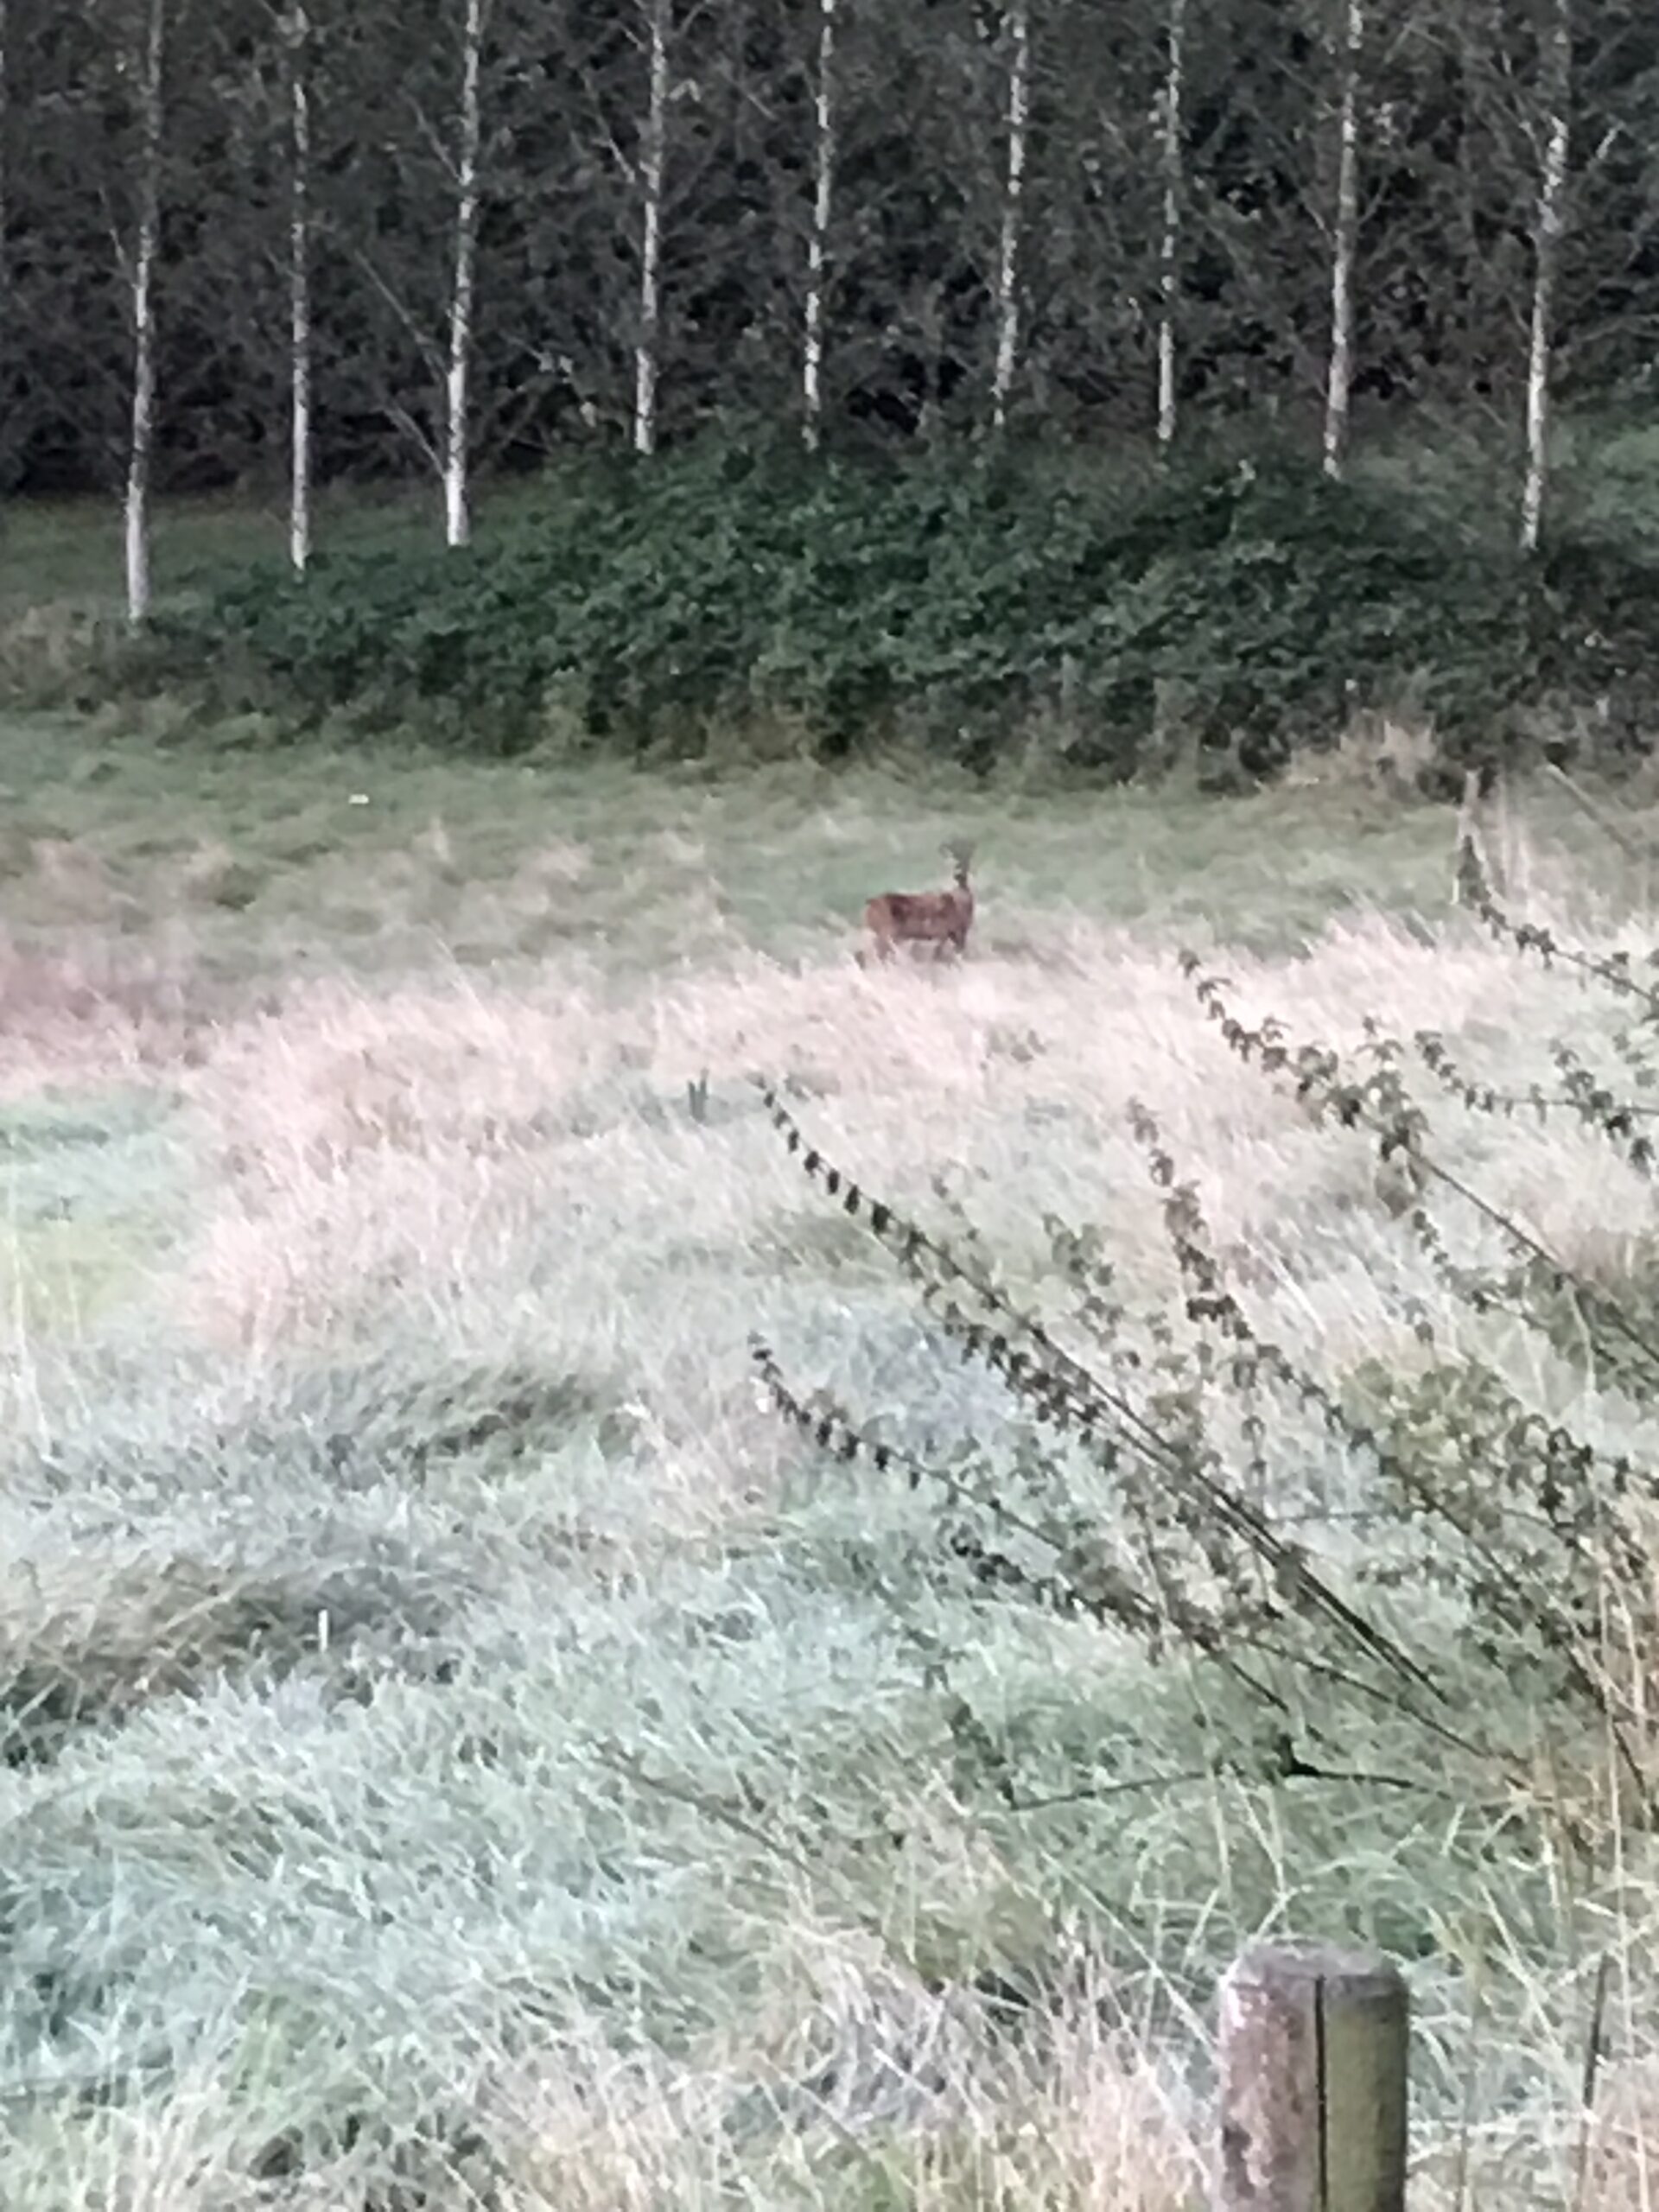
(267,857)
(69,551)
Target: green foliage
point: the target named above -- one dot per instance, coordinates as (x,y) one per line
(955,600)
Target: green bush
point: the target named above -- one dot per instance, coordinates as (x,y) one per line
(958,596)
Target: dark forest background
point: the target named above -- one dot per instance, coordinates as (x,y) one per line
(1453,114)
(740,289)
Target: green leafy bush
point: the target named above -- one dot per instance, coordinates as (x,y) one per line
(956,596)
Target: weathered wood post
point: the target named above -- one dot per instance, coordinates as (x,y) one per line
(1314,2051)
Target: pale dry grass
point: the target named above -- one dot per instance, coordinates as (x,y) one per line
(425,1132)
(518,1164)
(84,1009)
(1084,2123)
(1620,2147)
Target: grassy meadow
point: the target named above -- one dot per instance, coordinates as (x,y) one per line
(461,1749)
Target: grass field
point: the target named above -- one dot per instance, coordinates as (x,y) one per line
(461,1750)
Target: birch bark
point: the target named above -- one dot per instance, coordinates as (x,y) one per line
(1344,239)
(1008,267)
(141,443)
(457,511)
(1170,246)
(297,32)
(652,165)
(1547,255)
(818,250)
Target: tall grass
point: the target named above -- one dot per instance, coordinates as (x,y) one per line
(459,1747)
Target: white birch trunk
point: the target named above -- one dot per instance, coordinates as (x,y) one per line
(298,32)
(652,161)
(1551,222)
(1344,240)
(142,438)
(1008,267)
(1170,249)
(457,517)
(818,250)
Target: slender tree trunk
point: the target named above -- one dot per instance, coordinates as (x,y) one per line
(1344,238)
(818,250)
(457,517)
(1169,254)
(142,438)
(5,150)
(653,161)
(1551,222)
(299,285)
(930,338)
(10,349)
(1008,268)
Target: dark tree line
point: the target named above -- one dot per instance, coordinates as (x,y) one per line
(467,232)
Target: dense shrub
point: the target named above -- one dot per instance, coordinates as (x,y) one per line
(958,598)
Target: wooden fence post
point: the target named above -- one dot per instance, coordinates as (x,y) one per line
(1313,2050)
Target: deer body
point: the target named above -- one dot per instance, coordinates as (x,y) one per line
(941,920)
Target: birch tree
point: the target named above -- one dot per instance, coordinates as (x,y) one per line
(1557,86)
(1007,262)
(5,154)
(652,165)
(297,32)
(799,208)
(1344,237)
(10,367)
(817,248)
(457,515)
(1172,103)
(413,235)
(146,65)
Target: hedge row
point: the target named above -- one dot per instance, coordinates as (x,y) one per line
(645,604)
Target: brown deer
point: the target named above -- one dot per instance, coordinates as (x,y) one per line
(941,920)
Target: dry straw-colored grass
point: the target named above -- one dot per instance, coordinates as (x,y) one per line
(421,1130)
(479,1166)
